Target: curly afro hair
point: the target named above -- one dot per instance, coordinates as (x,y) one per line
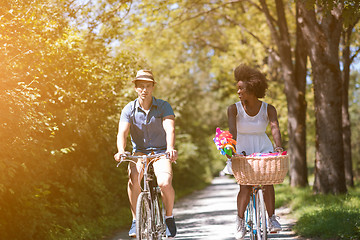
(254,80)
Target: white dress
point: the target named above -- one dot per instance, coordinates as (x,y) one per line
(251,136)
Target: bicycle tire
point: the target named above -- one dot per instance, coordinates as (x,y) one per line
(159,224)
(143,217)
(250,210)
(261,216)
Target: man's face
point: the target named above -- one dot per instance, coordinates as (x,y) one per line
(144,89)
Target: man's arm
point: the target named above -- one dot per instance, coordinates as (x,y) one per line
(124,128)
(169,127)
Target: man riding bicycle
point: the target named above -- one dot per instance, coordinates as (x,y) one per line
(151,123)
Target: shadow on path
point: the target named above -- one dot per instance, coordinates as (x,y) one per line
(210,214)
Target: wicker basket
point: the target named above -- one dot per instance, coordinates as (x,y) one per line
(260,170)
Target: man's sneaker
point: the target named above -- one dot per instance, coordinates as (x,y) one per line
(132,232)
(274,225)
(170,227)
(240,228)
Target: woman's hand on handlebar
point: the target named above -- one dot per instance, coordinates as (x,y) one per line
(172,154)
(279,149)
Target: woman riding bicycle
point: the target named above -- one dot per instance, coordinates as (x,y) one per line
(248,120)
(151,123)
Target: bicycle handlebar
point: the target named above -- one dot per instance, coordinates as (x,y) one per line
(128,156)
(131,158)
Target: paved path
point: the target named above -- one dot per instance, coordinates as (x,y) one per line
(210,214)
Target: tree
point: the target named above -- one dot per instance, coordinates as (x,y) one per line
(208,31)
(347,59)
(280,52)
(322,26)
(293,68)
(354,109)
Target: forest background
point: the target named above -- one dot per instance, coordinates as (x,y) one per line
(65,74)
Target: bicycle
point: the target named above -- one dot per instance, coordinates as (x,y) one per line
(258,171)
(255,218)
(150,213)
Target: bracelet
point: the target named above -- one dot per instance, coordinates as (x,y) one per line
(279,148)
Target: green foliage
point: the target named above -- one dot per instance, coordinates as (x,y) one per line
(60,102)
(322,216)
(330,223)
(351,8)
(61,94)
(62,89)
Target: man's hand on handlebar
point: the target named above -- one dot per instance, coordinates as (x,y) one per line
(120,156)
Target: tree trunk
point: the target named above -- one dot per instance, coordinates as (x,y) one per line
(323,40)
(294,80)
(345,107)
(298,164)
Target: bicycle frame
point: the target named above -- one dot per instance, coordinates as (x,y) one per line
(149,213)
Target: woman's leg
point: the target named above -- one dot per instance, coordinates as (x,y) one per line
(243,198)
(269,197)
(242,201)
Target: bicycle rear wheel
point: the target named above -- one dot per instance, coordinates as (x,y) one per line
(261,216)
(143,217)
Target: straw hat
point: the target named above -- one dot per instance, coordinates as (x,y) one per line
(144,75)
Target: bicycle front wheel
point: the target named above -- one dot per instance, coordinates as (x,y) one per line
(159,224)
(250,218)
(261,216)
(143,217)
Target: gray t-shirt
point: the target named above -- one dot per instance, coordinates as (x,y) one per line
(146,129)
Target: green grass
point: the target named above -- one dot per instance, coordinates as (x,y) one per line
(322,216)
